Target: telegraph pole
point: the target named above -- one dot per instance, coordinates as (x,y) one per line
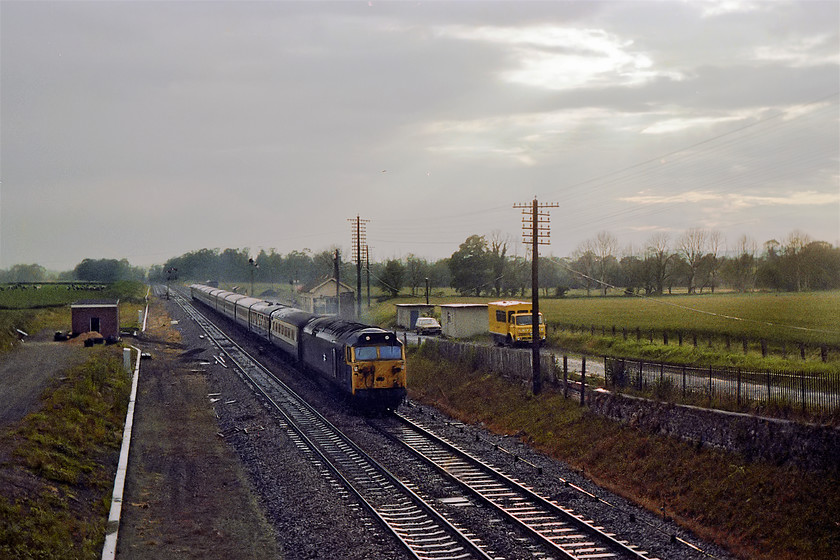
(367,268)
(337,266)
(536,231)
(359,240)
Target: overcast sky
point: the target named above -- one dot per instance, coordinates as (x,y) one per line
(144,130)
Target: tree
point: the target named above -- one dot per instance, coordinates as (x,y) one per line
(417,270)
(792,261)
(107,271)
(605,245)
(658,261)
(470,267)
(497,260)
(584,264)
(692,247)
(26,273)
(740,270)
(391,278)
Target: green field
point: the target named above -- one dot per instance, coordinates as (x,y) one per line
(812,317)
(48,307)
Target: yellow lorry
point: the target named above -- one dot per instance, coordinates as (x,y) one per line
(510,322)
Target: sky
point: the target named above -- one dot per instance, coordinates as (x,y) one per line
(145,130)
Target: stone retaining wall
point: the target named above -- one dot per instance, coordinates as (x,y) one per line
(781,442)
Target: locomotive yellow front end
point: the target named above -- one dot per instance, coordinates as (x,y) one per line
(377,363)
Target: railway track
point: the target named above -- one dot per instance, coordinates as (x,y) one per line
(421,530)
(562,533)
(543,528)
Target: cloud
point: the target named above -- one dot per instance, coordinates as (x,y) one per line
(736,201)
(714,8)
(565,58)
(801,52)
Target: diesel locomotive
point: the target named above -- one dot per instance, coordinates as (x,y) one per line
(365,363)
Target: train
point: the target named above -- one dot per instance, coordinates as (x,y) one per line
(364,363)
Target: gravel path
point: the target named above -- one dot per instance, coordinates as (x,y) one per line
(27,370)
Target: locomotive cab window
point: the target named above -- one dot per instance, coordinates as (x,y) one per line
(390,352)
(364,353)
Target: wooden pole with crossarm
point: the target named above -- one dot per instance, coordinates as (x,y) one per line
(536,231)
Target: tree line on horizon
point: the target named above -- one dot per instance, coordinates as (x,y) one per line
(482,264)
(694,262)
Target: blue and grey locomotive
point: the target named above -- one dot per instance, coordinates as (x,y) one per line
(366,363)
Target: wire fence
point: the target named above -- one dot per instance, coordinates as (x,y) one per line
(819,393)
(714,387)
(696,338)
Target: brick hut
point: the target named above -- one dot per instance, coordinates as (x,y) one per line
(96,315)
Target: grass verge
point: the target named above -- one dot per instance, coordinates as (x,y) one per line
(756,510)
(57,464)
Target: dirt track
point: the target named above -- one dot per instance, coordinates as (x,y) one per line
(27,370)
(186,495)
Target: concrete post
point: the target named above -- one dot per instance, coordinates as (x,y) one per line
(127,359)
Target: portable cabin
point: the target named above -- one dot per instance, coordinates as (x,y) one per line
(407,313)
(462,320)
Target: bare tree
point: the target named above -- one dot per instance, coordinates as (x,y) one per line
(692,247)
(794,244)
(744,264)
(658,258)
(584,263)
(606,246)
(716,241)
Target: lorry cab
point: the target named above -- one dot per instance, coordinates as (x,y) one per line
(510,322)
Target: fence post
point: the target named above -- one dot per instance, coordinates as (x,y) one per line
(728,342)
(744,342)
(624,332)
(680,337)
(802,350)
(738,387)
(583,381)
(763,347)
(665,338)
(802,385)
(683,376)
(824,352)
(768,388)
(711,386)
(641,366)
(565,376)
(638,334)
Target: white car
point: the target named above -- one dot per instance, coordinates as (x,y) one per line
(427,325)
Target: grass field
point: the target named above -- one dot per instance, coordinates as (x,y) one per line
(33,310)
